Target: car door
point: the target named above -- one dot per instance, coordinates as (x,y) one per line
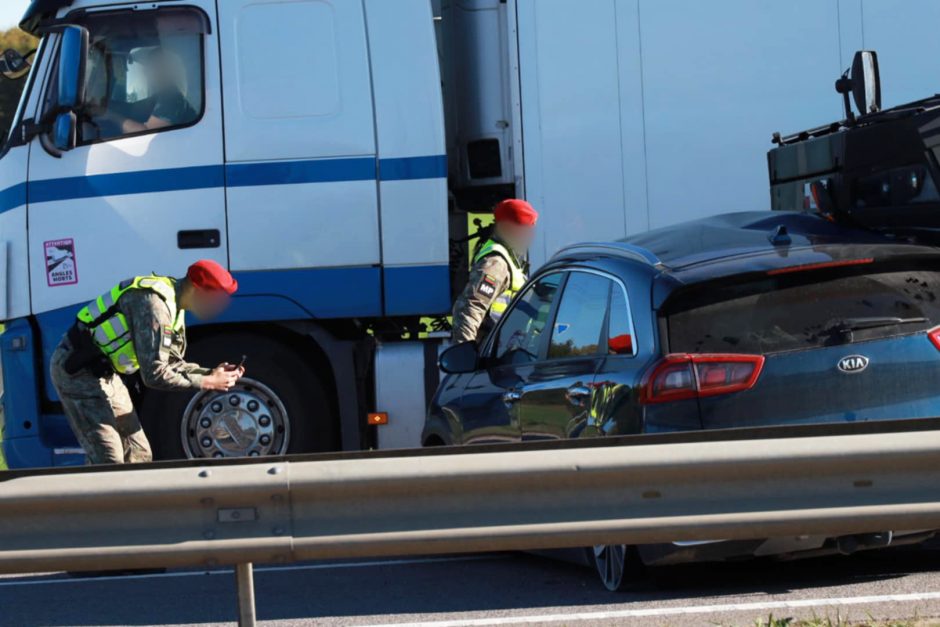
(630,350)
(558,392)
(489,404)
(142,191)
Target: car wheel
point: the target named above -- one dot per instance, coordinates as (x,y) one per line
(279,407)
(618,565)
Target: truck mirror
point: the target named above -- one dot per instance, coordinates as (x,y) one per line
(13,65)
(72,55)
(64,131)
(460,359)
(866,82)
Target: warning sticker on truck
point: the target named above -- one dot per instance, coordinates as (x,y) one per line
(61,268)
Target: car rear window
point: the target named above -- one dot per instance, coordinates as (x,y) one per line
(788,313)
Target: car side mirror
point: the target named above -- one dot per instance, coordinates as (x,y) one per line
(460,359)
(72,55)
(866,82)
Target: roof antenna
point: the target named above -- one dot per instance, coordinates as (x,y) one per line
(780,236)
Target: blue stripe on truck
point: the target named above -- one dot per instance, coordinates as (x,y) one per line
(144,182)
(295,172)
(417,290)
(413,168)
(233,175)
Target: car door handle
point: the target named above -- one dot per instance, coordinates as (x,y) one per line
(206,238)
(577,393)
(512,396)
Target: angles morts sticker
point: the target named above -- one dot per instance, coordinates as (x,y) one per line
(61,268)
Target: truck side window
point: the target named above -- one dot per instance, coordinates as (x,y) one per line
(144,73)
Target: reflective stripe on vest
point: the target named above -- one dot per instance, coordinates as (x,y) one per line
(111,333)
(499,306)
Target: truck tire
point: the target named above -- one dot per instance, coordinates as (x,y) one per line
(280,407)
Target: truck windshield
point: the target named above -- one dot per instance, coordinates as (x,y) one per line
(777,314)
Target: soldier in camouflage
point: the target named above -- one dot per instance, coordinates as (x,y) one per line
(497,274)
(137,327)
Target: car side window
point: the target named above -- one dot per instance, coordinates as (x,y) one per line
(518,338)
(579,324)
(144,73)
(620,334)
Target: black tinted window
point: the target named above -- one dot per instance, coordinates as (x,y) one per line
(519,336)
(581,314)
(779,315)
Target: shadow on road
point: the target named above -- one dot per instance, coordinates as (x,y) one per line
(395,591)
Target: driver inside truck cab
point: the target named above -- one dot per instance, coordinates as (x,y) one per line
(164,75)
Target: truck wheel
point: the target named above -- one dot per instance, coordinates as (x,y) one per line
(279,407)
(618,565)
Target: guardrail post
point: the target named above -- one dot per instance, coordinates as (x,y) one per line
(245,583)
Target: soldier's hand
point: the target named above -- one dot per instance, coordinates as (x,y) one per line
(221,378)
(239,370)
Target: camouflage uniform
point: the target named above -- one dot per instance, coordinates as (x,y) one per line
(95,399)
(489,278)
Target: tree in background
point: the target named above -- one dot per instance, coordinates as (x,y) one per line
(10,90)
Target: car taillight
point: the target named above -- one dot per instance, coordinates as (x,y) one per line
(934,335)
(683,376)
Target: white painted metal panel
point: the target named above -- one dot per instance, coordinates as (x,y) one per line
(636,115)
(14,168)
(414,222)
(296,79)
(303,226)
(571,120)
(14,278)
(409,123)
(399,368)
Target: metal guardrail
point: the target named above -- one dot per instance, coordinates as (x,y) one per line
(368,506)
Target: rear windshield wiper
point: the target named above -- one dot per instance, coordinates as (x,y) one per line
(857,324)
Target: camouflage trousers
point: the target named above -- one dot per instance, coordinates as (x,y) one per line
(100,413)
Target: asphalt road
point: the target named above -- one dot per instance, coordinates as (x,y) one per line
(500,589)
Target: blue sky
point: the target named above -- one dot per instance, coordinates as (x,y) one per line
(11,11)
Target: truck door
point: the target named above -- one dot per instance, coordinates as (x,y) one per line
(300,144)
(143,190)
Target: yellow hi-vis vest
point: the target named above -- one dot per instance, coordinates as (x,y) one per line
(109,329)
(499,306)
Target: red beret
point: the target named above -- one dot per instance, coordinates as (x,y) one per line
(515,210)
(206,274)
(621,344)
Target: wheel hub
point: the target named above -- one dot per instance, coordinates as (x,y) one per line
(248,420)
